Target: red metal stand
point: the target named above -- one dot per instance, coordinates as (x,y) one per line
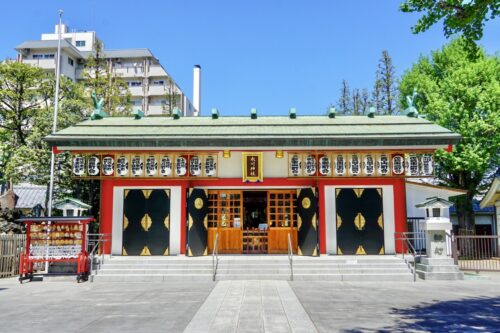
(55,239)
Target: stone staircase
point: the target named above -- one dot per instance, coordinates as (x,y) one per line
(254,267)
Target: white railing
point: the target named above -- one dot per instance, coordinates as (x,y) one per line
(156,71)
(215,256)
(157,90)
(42,63)
(290,256)
(96,244)
(129,71)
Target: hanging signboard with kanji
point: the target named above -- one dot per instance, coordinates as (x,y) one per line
(252,167)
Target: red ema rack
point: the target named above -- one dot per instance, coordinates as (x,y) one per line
(55,239)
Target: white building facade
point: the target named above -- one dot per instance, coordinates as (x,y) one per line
(147,80)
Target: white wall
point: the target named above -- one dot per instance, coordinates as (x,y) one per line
(416,194)
(88,37)
(175,217)
(331,217)
(273,167)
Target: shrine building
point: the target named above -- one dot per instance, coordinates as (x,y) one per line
(335,184)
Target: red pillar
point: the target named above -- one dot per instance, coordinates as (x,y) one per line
(400,209)
(106,212)
(322,218)
(183,209)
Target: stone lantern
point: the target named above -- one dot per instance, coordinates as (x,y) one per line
(435,225)
(438,264)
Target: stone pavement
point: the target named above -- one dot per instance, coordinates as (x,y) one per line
(251,306)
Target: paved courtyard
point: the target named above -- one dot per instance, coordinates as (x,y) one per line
(251,306)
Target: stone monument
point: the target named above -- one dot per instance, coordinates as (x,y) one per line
(438,263)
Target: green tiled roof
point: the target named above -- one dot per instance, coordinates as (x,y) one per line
(265,131)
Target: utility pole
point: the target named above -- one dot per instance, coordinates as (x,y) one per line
(56,107)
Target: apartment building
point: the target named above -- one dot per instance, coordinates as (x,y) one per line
(146,78)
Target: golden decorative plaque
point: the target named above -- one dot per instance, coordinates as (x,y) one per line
(198,203)
(306,203)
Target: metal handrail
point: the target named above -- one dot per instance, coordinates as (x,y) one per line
(290,256)
(96,244)
(215,256)
(406,243)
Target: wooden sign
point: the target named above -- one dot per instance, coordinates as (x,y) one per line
(252,167)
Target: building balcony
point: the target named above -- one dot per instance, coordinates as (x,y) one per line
(42,63)
(156,71)
(136,91)
(155,109)
(157,90)
(129,71)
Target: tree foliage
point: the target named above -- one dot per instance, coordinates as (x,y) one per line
(345,101)
(172,95)
(463,95)
(25,155)
(386,79)
(466,18)
(99,78)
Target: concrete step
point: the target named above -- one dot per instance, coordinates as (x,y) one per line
(258,267)
(442,276)
(257,276)
(354,277)
(438,269)
(151,277)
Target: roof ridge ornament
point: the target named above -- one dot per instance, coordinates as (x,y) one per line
(253,113)
(176,113)
(215,113)
(137,113)
(98,112)
(332,112)
(411,110)
(371,112)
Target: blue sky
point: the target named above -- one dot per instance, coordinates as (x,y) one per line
(271,55)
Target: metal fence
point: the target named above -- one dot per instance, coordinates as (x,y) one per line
(476,253)
(10,248)
(418,235)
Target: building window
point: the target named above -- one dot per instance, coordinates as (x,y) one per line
(43,56)
(134,83)
(137,102)
(158,83)
(80,43)
(71,62)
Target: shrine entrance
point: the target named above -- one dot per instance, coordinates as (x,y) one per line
(252,221)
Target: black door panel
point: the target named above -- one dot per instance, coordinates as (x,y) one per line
(307,234)
(146,222)
(360,226)
(197,234)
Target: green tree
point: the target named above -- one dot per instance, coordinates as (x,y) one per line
(466,18)
(26,109)
(99,78)
(377,97)
(463,95)
(386,78)
(172,96)
(356,102)
(364,101)
(30,162)
(345,101)
(23,92)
